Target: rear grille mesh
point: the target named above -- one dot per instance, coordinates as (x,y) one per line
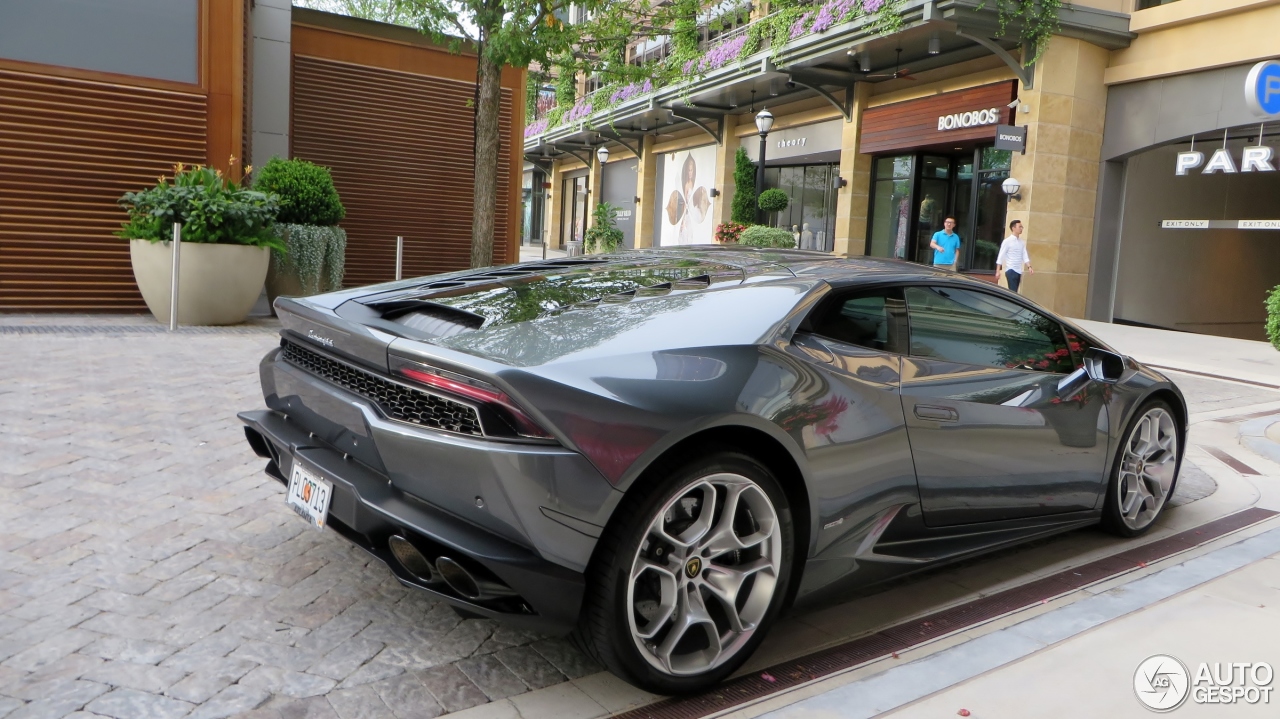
(395,400)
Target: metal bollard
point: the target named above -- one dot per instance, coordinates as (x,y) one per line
(399,256)
(173,286)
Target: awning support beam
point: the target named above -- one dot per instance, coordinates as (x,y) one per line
(699,117)
(1025,73)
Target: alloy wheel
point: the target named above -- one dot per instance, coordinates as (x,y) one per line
(704,574)
(1147,468)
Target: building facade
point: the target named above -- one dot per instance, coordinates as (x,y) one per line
(100,97)
(877,139)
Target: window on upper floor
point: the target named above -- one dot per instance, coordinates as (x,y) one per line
(1144,4)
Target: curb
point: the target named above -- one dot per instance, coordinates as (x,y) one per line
(1253,435)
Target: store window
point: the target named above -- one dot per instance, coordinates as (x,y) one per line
(811,213)
(913,194)
(144,38)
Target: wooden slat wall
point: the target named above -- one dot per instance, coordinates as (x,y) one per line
(914,123)
(69,148)
(400,147)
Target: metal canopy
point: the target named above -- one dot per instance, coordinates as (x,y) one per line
(829,65)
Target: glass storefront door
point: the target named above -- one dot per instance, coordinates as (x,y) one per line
(891,206)
(533,199)
(811,212)
(573,208)
(912,194)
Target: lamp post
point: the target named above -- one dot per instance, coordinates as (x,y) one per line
(602,156)
(764,123)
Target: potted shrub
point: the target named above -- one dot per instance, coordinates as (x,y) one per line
(773,200)
(314,257)
(226,233)
(762,236)
(603,235)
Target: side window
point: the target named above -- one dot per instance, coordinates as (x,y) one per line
(875,319)
(971,327)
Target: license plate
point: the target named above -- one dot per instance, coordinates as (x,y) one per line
(309,495)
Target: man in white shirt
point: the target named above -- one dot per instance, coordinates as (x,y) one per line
(1013,259)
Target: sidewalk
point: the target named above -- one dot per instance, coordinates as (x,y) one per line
(1225,357)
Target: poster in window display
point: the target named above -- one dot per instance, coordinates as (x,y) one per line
(687,182)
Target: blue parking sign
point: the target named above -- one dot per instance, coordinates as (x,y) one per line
(1262,88)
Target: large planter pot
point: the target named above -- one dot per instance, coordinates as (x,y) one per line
(217,284)
(314,263)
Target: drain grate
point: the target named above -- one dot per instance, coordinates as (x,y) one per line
(901,637)
(132,330)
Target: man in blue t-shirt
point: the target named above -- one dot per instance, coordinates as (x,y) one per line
(945,244)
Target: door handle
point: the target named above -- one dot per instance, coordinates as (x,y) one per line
(937,414)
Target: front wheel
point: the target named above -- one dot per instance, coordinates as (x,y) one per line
(689,579)
(1145,472)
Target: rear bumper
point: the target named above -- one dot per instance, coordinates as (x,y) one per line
(511,513)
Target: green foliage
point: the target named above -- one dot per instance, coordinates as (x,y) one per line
(1037,21)
(306,191)
(392,11)
(603,235)
(209,207)
(773,200)
(1273,317)
(311,250)
(762,236)
(743,208)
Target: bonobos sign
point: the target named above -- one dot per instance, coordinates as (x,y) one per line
(969,119)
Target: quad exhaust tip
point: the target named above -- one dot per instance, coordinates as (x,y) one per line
(468,585)
(412,560)
(446,570)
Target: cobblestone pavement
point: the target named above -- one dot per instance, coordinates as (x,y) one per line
(148,567)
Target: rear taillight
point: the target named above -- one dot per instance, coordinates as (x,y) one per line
(452,383)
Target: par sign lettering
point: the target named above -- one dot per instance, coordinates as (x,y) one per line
(1252,159)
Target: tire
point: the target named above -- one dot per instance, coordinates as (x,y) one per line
(665,566)
(1145,472)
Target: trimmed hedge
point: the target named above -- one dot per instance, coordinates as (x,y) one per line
(1273,317)
(774,200)
(306,191)
(762,236)
(743,209)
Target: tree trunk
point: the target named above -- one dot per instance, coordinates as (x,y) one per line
(488,107)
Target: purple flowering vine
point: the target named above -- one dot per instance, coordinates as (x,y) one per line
(871,6)
(536,127)
(722,53)
(799,26)
(626,92)
(580,110)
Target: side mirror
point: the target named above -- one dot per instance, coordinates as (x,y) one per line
(1103,366)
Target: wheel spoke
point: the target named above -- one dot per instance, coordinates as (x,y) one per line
(668,587)
(725,583)
(691,614)
(724,538)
